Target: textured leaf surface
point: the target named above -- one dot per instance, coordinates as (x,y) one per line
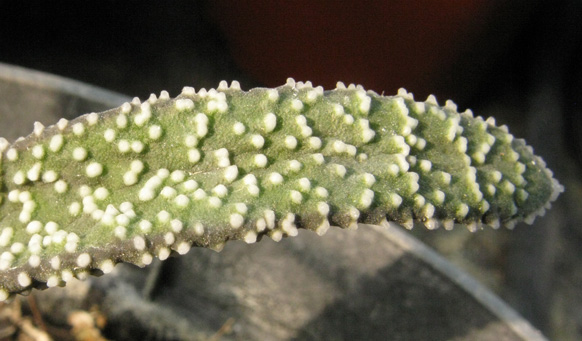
(149,179)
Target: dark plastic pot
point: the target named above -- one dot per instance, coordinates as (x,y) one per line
(371,284)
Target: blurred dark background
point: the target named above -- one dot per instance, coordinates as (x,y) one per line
(516,60)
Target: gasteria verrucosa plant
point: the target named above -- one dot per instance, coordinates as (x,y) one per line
(149,179)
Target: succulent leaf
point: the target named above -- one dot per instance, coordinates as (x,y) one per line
(149,179)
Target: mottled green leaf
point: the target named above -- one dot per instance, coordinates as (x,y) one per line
(149,179)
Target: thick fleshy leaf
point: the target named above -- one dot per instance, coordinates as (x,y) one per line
(150,179)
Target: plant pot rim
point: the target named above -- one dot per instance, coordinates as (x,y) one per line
(64,85)
(462,279)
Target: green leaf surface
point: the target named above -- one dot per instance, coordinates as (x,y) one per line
(153,178)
